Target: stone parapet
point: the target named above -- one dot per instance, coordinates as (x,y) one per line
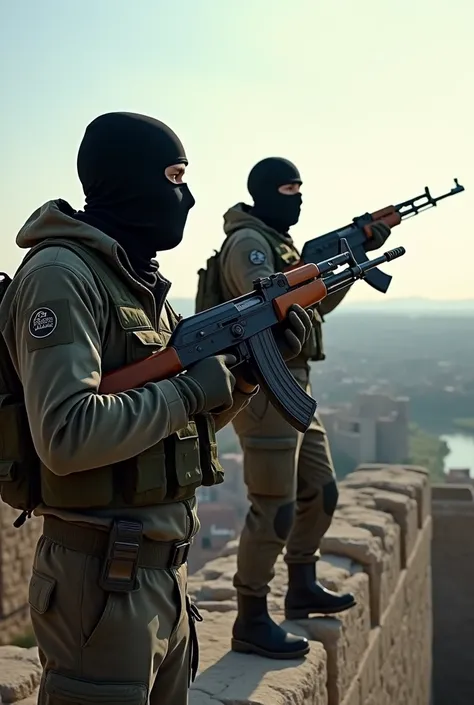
(378,653)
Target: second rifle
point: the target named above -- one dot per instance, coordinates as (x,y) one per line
(243,327)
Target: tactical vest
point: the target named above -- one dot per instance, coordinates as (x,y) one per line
(169,471)
(212,289)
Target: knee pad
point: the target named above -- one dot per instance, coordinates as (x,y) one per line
(284,520)
(330,497)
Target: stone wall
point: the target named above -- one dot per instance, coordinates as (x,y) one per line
(17,548)
(378,653)
(453,594)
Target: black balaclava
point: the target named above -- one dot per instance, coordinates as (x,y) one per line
(121,164)
(275,209)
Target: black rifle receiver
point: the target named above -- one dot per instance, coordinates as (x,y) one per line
(243,327)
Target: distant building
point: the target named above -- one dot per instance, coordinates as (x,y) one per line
(374,429)
(219,525)
(234,490)
(459,476)
(221,511)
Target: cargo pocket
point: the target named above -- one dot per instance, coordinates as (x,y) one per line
(212,470)
(270,466)
(193,617)
(66,690)
(184,449)
(40,591)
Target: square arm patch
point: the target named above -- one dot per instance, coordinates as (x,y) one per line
(49,325)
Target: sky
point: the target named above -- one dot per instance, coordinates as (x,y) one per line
(373,100)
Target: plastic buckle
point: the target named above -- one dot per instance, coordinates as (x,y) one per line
(119,573)
(179,554)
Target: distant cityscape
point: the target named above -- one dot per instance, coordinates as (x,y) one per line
(372,429)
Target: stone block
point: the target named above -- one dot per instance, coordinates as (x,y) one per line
(369,667)
(384,576)
(403,509)
(362,547)
(405,479)
(20,673)
(345,638)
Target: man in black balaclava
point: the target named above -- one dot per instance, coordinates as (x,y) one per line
(131,168)
(290,477)
(278,209)
(118,471)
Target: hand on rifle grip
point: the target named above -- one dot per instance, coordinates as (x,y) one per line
(208,385)
(379,232)
(293,332)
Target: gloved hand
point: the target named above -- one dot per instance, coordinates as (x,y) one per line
(293,332)
(290,336)
(380,233)
(208,385)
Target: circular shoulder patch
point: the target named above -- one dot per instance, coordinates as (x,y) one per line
(257,257)
(43,322)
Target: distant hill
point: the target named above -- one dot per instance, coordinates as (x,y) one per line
(416,306)
(183,306)
(413,307)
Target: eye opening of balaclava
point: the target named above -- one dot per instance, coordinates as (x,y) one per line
(277,210)
(121,164)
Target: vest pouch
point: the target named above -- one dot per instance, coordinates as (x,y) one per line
(141,344)
(79,490)
(183,452)
(212,470)
(19,465)
(146,484)
(19,485)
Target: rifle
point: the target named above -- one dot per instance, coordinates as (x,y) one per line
(243,327)
(359,231)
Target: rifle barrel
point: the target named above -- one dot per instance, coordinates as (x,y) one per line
(336,282)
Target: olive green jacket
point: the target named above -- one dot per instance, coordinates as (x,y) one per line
(247,255)
(54,318)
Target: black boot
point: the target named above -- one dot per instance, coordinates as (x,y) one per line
(254,632)
(306,596)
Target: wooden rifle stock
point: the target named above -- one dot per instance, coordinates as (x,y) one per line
(159,366)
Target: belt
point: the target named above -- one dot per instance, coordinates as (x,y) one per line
(124,549)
